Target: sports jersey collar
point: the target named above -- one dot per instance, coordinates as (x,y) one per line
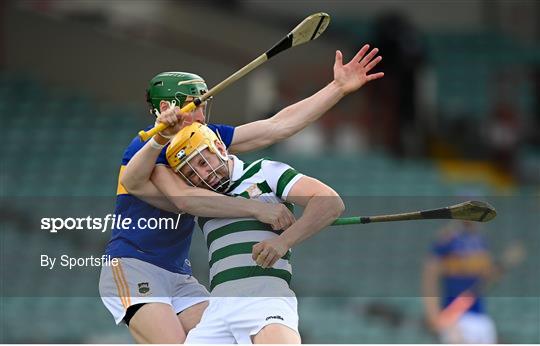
(238,168)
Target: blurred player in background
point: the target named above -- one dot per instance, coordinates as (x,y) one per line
(158,261)
(459,262)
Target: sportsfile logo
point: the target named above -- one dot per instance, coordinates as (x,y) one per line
(276,317)
(110,221)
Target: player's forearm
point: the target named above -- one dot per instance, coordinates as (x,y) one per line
(298,116)
(320,212)
(205,203)
(287,122)
(202,202)
(139,169)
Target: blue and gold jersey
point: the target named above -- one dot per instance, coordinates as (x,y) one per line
(166,248)
(464,260)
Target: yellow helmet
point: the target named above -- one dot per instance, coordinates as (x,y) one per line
(191,141)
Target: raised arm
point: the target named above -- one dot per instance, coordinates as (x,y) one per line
(322,205)
(292,119)
(136,175)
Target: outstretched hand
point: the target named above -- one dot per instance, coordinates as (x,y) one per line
(353,75)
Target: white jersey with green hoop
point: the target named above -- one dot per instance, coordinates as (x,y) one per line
(230,241)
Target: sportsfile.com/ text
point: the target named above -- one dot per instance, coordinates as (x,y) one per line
(110,221)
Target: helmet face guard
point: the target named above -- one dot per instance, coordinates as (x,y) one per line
(189,156)
(212,181)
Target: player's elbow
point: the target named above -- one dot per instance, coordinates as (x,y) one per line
(183,205)
(130,184)
(335,205)
(339,206)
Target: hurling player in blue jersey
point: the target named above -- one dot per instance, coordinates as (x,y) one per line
(460,261)
(152,289)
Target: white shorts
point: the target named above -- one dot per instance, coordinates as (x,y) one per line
(471,328)
(230,320)
(136,282)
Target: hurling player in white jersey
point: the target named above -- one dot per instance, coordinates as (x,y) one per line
(158,185)
(250,272)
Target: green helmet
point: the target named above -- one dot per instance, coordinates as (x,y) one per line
(169,86)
